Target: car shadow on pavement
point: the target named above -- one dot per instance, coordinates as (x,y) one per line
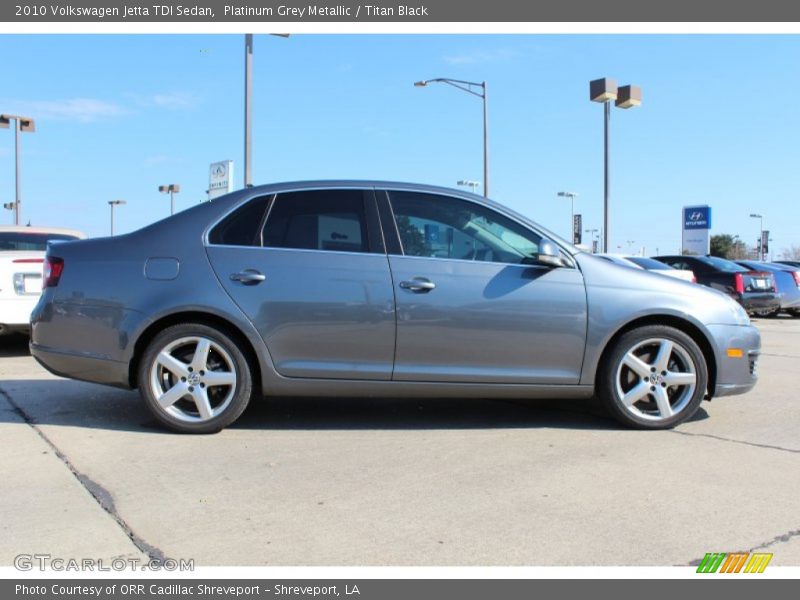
(13,345)
(426,413)
(70,403)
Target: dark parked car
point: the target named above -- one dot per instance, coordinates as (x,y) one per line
(754,290)
(791,263)
(378,289)
(649,264)
(787,281)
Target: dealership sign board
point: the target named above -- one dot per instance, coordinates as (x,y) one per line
(696,228)
(577,224)
(220,179)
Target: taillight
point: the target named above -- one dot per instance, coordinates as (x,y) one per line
(51,274)
(694,279)
(738,283)
(796,275)
(28,260)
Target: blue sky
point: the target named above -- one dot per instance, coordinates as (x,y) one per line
(118,115)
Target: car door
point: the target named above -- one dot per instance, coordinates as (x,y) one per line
(472,305)
(309,269)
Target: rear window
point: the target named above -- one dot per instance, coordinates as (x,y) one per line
(17,240)
(243,226)
(722,264)
(647,263)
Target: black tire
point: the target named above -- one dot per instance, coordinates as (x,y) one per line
(223,402)
(615,379)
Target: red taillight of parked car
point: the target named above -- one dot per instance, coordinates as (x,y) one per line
(27,260)
(51,273)
(738,283)
(796,275)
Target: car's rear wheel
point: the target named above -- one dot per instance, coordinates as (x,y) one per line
(654,377)
(194,378)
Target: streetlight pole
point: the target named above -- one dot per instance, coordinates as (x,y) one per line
(248,110)
(593,233)
(468,86)
(248,106)
(761,234)
(112,204)
(171,189)
(21,125)
(604,91)
(571,196)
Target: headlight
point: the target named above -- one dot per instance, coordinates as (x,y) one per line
(739,314)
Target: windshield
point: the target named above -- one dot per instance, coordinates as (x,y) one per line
(722,264)
(647,263)
(17,240)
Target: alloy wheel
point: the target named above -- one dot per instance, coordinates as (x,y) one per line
(656,379)
(193,379)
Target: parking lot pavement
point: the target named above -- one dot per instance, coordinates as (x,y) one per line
(387,482)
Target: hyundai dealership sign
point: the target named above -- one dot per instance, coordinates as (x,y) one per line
(696,227)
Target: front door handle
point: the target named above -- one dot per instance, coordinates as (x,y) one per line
(418,285)
(248,277)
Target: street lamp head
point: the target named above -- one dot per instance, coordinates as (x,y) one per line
(422,83)
(25,124)
(628,96)
(116,202)
(172,187)
(754,215)
(602,90)
(568,194)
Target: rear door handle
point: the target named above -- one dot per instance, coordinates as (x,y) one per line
(248,277)
(418,285)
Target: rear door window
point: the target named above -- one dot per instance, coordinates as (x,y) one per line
(333,220)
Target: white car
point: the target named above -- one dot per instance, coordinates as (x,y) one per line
(649,264)
(21,256)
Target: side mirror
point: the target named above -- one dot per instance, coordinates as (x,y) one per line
(549,254)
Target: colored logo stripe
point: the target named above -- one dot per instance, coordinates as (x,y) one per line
(734,562)
(711,562)
(758,562)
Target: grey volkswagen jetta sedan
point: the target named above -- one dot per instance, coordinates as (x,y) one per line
(352,288)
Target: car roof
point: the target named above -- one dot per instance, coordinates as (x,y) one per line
(26,229)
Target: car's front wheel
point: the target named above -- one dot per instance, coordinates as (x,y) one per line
(654,377)
(194,378)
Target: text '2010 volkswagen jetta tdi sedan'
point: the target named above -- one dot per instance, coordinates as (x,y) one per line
(378,289)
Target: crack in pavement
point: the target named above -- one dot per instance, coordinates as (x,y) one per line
(732,441)
(778,539)
(101,495)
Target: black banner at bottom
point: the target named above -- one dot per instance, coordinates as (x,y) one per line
(391,589)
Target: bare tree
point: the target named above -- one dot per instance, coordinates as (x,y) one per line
(791,253)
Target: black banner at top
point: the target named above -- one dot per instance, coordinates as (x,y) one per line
(375,11)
